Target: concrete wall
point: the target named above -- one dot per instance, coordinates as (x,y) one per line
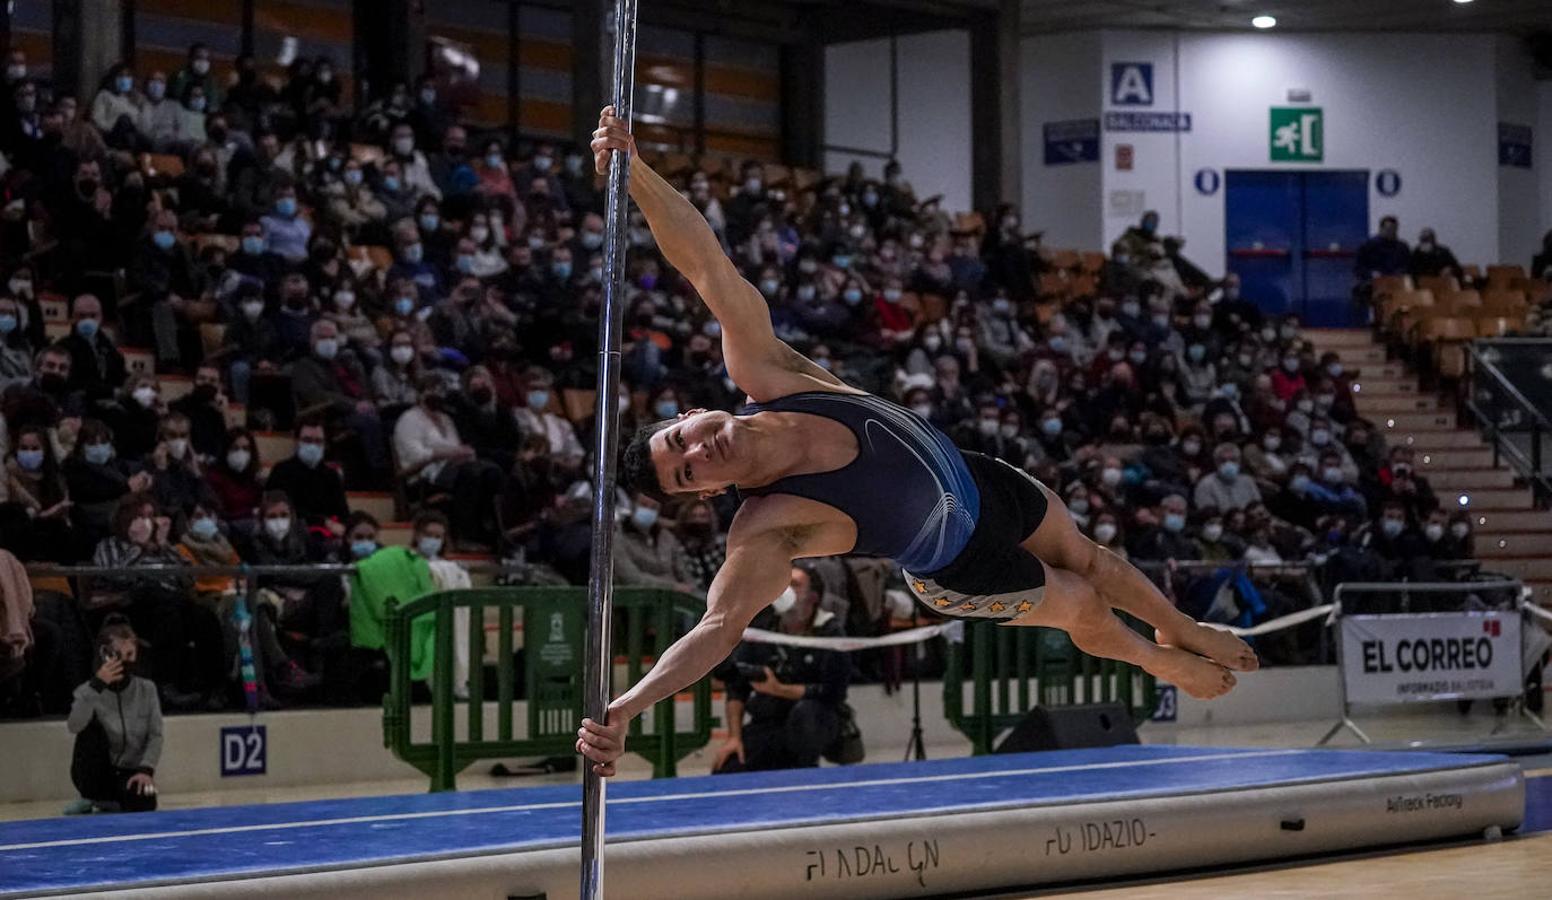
(1520,211)
(1060,83)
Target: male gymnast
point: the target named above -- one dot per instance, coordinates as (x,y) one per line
(826,469)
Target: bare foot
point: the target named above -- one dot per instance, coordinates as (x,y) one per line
(1201,678)
(1216,644)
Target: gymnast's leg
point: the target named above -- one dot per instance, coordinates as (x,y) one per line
(1071,604)
(1059,543)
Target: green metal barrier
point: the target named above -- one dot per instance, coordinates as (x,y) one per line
(553,622)
(1013,670)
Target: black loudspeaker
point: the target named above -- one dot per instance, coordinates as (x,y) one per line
(1071,728)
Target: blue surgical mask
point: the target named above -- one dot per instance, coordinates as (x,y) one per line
(465,264)
(1052,427)
(429,546)
(164,239)
(310,455)
(841,260)
(592,240)
(666,409)
(1392,527)
(1228,469)
(413,254)
(391,183)
(31,460)
(124,83)
(644,517)
(7,323)
(204,528)
(353,176)
(86,328)
(538,400)
(98,454)
(404,305)
(853,296)
(494,160)
(430,221)
(362,549)
(253,245)
(1174,522)
(286,206)
(562,270)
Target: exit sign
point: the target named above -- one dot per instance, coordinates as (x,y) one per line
(1298,134)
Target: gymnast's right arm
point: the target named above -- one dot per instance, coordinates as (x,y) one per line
(757,570)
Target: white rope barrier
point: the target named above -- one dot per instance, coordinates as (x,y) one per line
(852,644)
(1278,624)
(1544,615)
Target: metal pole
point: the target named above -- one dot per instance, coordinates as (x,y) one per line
(600,587)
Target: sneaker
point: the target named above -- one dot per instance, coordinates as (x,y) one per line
(80,806)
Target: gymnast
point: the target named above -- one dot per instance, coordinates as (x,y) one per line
(826,469)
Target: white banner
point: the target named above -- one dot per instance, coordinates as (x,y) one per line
(1435,656)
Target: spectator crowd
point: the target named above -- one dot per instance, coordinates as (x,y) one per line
(415,301)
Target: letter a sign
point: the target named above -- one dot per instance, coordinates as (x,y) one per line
(1298,134)
(1131,84)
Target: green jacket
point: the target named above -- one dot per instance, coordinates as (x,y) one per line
(403,575)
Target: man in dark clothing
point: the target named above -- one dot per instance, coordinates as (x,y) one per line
(1394,540)
(204,408)
(335,385)
(318,490)
(47,398)
(1430,257)
(1009,262)
(483,422)
(792,696)
(1163,537)
(1383,254)
(96,365)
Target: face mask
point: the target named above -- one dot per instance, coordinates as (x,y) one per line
(21,287)
(156,90)
(402,354)
(201,66)
(1197,352)
(892,295)
(1271,442)
(286,206)
(277,528)
(1334,370)
(1131,308)
(413,254)
(197,104)
(540,163)
(1051,427)
(784,604)
(562,270)
(465,264)
(1324,401)
(1460,530)
(31,460)
(1433,531)
(145,396)
(805,292)
(140,530)
(922,409)
(326,348)
(344,300)
(932,342)
(15,73)
(1287,332)
(1078,505)
(1174,522)
(430,221)
(1161,320)
(252,311)
(391,183)
(857,232)
(429,546)
(1104,532)
(1228,470)
(7,323)
(98,454)
(1392,527)
(178,447)
(769,287)
(1138,357)
(253,245)
(1320,437)
(1299,482)
(1305,406)
(1212,532)
(988,427)
(1230,391)
(204,528)
(124,83)
(362,549)
(852,296)
(86,328)
(1000,306)
(538,400)
(1191,447)
(1110,477)
(404,146)
(644,517)
(404,306)
(666,409)
(1057,343)
(1290,365)
(309,455)
(712,329)
(1009,430)
(841,261)
(238,460)
(1204,321)
(1332,475)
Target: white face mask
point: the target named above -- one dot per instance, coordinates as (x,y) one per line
(238,460)
(1104,532)
(178,447)
(402,354)
(783,604)
(145,396)
(1212,532)
(277,528)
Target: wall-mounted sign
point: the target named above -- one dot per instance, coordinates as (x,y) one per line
(1128,204)
(1297,134)
(1300,95)
(1124,156)
(1387,182)
(244,750)
(1131,84)
(1515,145)
(1147,121)
(1073,141)
(1207,181)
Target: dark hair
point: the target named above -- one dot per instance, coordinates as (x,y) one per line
(275,498)
(115,627)
(429,517)
(232,436)
(362,517)
(311,421)
(128,508)
(637,471)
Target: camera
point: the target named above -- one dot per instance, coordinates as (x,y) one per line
(751,672)
(105,653)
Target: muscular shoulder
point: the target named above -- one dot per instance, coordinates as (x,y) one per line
(780,371)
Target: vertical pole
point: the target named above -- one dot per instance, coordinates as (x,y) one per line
(514,71)
(600,587)
(246,41)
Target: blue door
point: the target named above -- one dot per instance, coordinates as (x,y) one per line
(1292,236)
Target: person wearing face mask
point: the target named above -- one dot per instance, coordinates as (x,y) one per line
(1395,541)
(199,72)
(1324,438)
(400,573)
(700,537)
(116,110)
(785,706)
(157,117)
(332,380)
(433,456)
(16,346)
(307,608)
(484,422)
(1323,489)
(1161,534)
(116,717)
(1288,379)
(393,382)
(160,607)
(1226,487)
(34,481)
(95,479)
(983,432)
(1107,533)
(534,417)
(253,339)
(135,416)
(317,487)
(233,480)
(1198,375)
(96,365)
(286,232)
(414,170)
(1214,543)
(351,203)
(647,551)
(177,477)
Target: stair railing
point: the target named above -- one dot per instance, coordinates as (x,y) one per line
(1500,409)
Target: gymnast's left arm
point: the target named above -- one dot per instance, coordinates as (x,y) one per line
(758,569)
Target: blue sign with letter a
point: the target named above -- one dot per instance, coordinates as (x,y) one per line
(1131,84)
(244,750)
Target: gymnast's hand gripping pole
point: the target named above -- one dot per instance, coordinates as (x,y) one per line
(600,586)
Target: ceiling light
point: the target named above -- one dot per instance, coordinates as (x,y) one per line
(1264,21)
(1462,1)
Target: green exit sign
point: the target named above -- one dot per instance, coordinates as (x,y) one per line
(1298,134)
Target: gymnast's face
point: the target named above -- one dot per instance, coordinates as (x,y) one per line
(700,453)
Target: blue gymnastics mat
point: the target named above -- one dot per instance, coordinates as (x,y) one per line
(805,829)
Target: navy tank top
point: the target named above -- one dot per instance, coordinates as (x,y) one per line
(908,491)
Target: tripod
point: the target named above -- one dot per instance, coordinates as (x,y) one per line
(916,747)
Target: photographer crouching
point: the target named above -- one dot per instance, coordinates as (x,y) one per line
(116,717)
(786,705)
